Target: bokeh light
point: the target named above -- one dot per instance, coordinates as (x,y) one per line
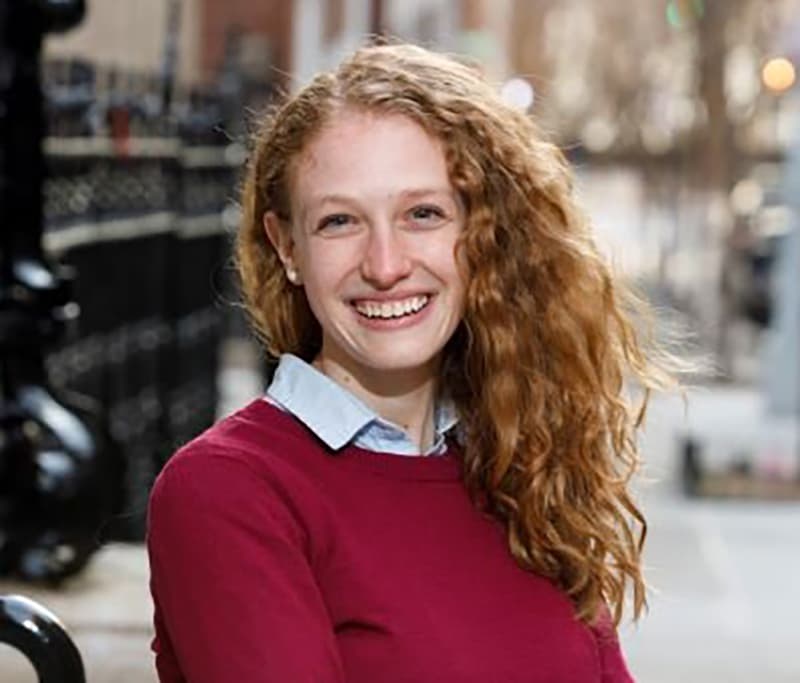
(778,74)
(518,93)
(746,197)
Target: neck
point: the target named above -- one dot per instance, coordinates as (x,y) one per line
(404,397)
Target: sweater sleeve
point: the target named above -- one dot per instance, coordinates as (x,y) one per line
(235,597)
(612,661)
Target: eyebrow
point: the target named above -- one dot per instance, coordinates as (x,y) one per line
(421,192)
(404,194)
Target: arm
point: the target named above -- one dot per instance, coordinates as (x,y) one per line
(235,595)
(612,661)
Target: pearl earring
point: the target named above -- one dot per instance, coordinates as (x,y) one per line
(291,273)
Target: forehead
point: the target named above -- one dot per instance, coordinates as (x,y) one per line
(360,152)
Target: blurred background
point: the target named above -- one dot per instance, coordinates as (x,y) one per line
(121,338)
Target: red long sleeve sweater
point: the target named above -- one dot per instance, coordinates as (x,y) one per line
(276,560)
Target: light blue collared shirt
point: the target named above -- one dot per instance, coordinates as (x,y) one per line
(339,419)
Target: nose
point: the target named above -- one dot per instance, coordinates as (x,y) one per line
(386,260)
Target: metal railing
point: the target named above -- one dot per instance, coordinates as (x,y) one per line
(39,635)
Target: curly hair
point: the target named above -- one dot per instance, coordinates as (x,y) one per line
(541,366)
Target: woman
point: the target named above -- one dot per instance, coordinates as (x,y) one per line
(411,251)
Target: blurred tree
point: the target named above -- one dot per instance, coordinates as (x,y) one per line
(674,91)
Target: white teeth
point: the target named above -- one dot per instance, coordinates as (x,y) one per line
(392,309)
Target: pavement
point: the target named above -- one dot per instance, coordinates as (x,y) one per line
(106,609)
(724,574)
(724,581)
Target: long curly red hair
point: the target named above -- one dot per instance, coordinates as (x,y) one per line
(549,343)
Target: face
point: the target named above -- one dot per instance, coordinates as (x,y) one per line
(375,222)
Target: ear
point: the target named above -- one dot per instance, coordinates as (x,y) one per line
(280,236)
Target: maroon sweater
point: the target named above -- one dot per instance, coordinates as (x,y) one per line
(274,559)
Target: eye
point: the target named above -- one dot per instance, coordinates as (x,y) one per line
(427,214)
(336,220)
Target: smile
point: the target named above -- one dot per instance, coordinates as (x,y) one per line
(388,310)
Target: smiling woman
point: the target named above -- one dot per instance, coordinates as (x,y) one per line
(434,487)
(374,248)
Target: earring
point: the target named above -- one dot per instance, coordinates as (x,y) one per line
(292,274)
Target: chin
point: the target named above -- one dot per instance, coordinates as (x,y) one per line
(400,360)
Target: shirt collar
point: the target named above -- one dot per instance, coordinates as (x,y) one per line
(337,417)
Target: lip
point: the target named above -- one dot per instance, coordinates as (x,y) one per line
(389,298)
(388,324)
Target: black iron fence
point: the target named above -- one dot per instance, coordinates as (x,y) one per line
(136,201)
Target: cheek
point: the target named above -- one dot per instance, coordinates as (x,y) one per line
(447,270)
(448,266)
(322,279)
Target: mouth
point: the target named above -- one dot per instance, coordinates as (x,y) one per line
(392,310)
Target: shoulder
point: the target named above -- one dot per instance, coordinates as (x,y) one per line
(256,451)
(259,438)
(246,473)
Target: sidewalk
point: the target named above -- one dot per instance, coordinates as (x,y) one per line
(106,610)
(723,608)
